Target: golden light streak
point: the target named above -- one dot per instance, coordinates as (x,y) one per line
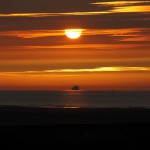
(132,9)
(71,107)
(126,6)
(54,14)
(121,3)
(77,46)
(100,69)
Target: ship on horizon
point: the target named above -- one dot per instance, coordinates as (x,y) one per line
(75,87)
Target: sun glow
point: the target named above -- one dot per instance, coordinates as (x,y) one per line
(73,33)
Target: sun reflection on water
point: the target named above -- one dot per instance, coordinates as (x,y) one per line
(74,99)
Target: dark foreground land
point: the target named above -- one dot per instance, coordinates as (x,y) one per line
(15,115)
(44,127)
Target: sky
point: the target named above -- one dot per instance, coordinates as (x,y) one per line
(113,52)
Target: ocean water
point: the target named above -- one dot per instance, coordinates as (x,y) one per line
(76,99)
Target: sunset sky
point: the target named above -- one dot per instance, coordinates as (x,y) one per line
(113,52)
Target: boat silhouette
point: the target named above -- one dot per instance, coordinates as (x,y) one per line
(75,87)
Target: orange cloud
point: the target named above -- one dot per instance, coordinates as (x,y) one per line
(132,9)
(118,6)
(54,14)
(137,38)
(33,33)
(124,33)
(121,3)
(126,6)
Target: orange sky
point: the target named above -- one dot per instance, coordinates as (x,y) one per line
(113,52)
(128,80)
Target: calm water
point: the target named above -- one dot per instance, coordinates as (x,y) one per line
(75,99)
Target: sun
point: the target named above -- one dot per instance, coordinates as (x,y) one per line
(73,33)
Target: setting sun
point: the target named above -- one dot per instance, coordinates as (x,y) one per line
(73,33)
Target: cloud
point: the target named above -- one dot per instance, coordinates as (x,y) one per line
(54,14)
(137,38)
(126,9)
(133,9)
(32,33)
(125,6)
(75,46)
(90,70)
(130,34)
(101,69)
(121,3)
(87,10)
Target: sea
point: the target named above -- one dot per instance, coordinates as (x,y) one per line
(76,99)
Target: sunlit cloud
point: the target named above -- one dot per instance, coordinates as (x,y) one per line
(30,15)
(78,46)
(138,33)
(102,69)
(121,3)
(133,9)
(54,14)
(33,33)
(133,32)
(71,46)
(92,70)
(126,6)
(117,6)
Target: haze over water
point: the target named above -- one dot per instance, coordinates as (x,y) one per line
(76,99)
